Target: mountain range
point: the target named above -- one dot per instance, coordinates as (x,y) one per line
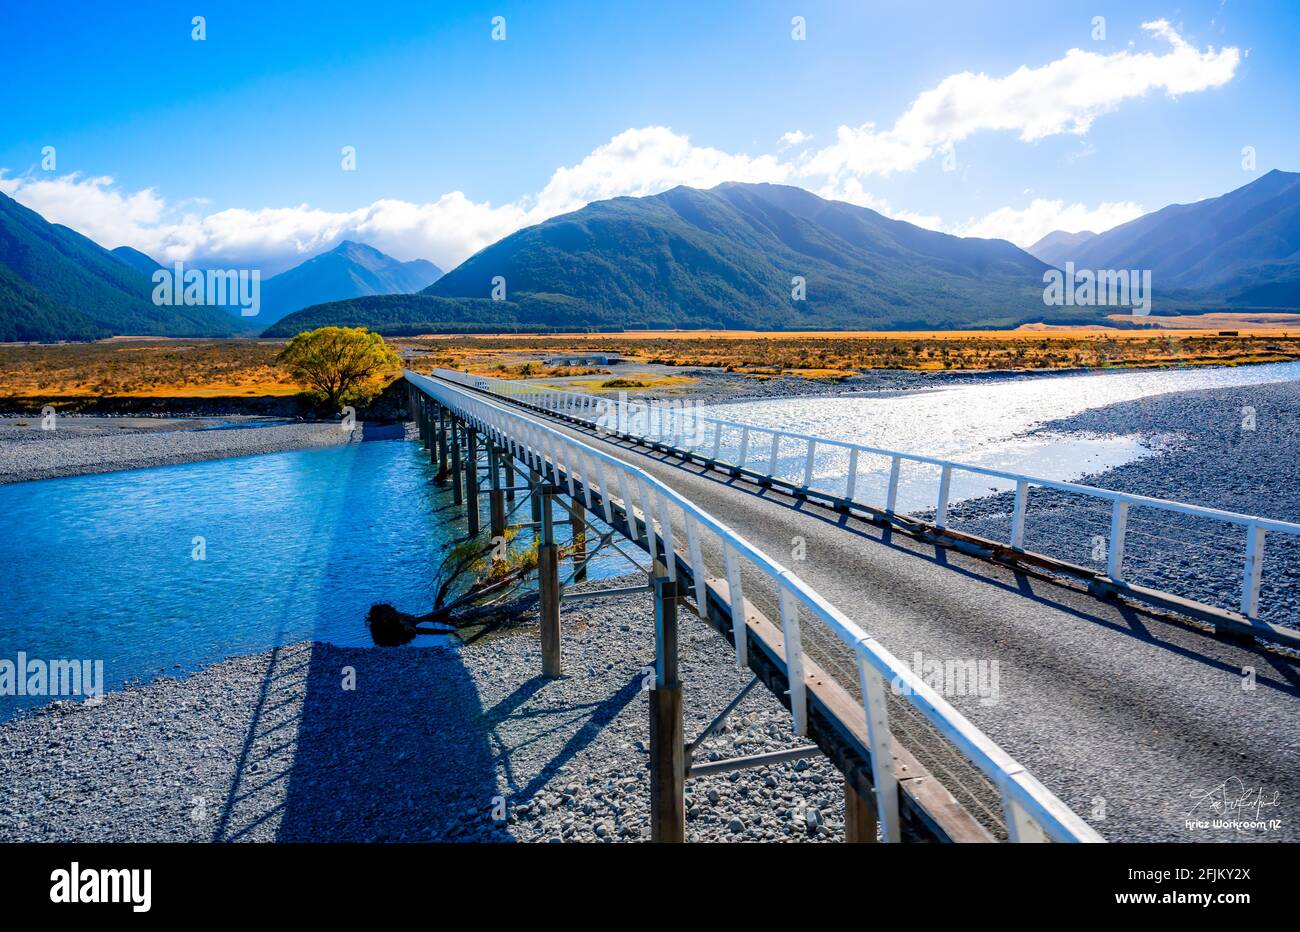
(1059,246)
(56,284)
(755,256)
(1238,250)
(349,270)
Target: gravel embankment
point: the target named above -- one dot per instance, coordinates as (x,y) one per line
(430,742)
(1207,455)
(79,445)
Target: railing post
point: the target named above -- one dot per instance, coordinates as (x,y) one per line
(1118,526)
(735,595)
(808,464)
(891,497)
(941,509)
(792,642)
(548,573)
(1253,571)
(883,776)
(1021,828)
(667,738)
(457,495)
(496,497)
(851,483)
(471,480)
(1018,515)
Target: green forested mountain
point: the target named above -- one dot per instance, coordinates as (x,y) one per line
(1238,250)
(87,282)
(142,263)
(726,257)
(409,314)
(349,270)
(27,314)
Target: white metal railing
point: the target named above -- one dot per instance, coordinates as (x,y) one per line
(1031,811)
(737,444)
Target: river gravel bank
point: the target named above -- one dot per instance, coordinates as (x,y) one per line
(1236,449)
(81,445)
(429,746)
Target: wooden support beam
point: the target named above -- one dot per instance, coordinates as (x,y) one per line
(471,480)
(496,497)
(535,497)
(548,573)
(431,426)
(859,817)
(579,541)
(444,419)
(667,737)
(434,415)
(457,496)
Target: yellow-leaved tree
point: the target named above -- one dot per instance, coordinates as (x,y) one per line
(339,365)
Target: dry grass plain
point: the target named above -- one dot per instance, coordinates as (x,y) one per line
(835,355)
(147,368)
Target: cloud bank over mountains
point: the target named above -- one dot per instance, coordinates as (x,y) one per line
(1065,96)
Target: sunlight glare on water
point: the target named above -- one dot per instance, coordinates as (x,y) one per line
(989,424)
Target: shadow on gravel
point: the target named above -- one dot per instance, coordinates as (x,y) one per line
(361,744)
(402,757)
(594,718)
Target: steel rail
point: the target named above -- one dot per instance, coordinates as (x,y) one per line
(1031,811)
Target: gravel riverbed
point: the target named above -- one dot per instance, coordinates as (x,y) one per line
(429,744)
(79,445)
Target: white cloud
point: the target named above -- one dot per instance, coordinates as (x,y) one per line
(636,162)
(1063,96)
(88,204)
(645,161)
(793,138)
(1028,225)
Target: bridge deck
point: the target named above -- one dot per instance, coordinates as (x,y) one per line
(1108,705)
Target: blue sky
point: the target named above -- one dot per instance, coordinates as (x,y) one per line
(228,149)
